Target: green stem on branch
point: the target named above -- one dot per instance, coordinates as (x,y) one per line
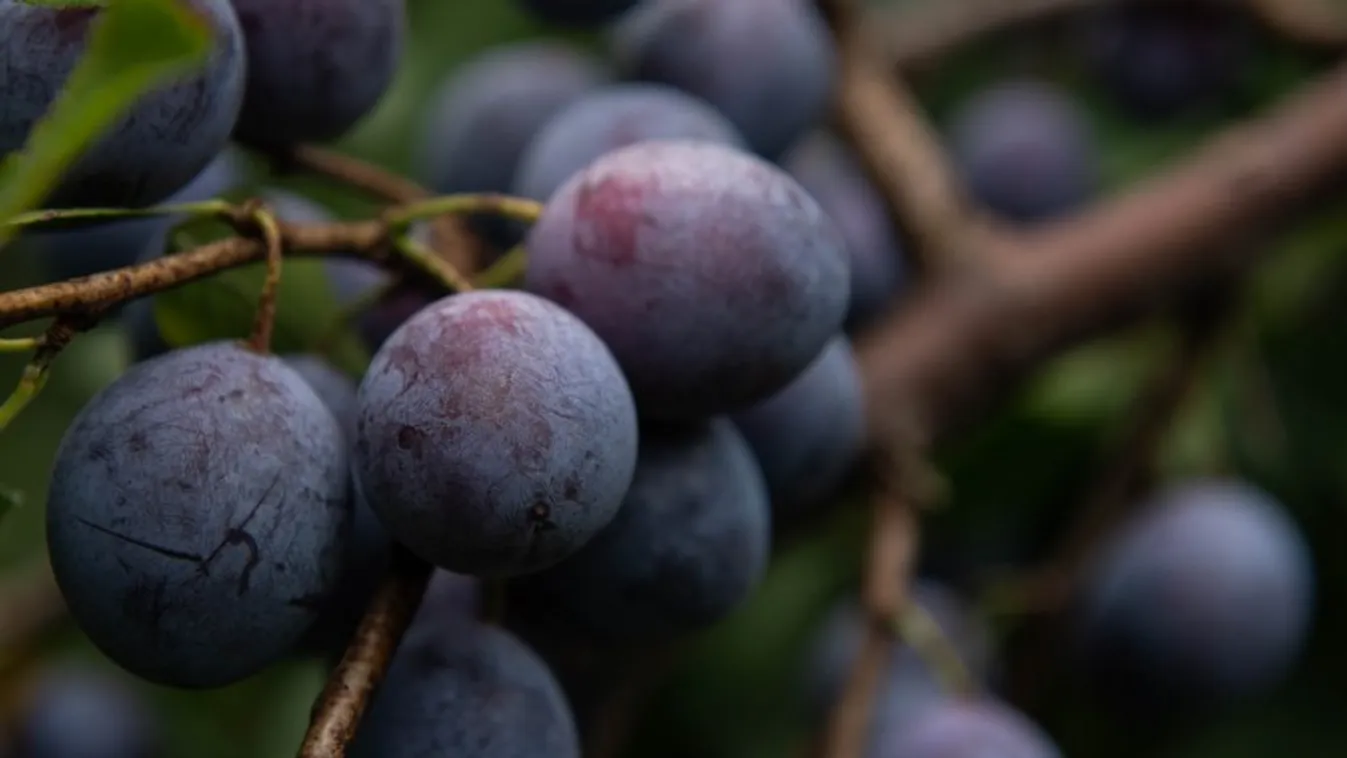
(20,344)
(920,631)
(265,321)
(425,260)
(505,271)
(517,208)
(205,208)
(35,374)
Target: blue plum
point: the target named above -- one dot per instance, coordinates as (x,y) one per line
(807,436)
(197,515)
(334,388)
(768,65)
(613,117)
(168,136)
(315,67)
(1025,150)
(496,433)
(485,115)
(473,692)
(833,176)
(965,729)
(1205,598)
(689,544)
(78,711)
(711,274)
(1161,59)
(578,13)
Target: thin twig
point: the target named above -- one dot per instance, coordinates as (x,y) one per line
(19,344)
(38,369)
(337,713)
(428,262)
(365,239)
(891,555)
(900,150)
(450,236)
(265,319)
(507,270)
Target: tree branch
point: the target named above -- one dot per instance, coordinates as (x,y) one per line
(892,554)
(962,340)
(899,149)
(366,239)
(346,695)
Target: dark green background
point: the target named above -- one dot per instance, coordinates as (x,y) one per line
(1272,406)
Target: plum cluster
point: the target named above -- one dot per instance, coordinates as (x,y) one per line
(618,439)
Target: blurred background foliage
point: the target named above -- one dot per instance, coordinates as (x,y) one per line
(1271,406)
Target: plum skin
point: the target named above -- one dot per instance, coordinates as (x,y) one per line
(168,136)
(496,434)
(197,514)
(712,275)
(474,691)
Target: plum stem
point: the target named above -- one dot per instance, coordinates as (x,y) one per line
(449,235)
(517,208)
(505,271)
(264,323)
(346,695)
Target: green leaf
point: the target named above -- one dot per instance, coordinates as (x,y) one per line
(133,47)
(223,307)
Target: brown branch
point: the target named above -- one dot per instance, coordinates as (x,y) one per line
(367,239)
(450,236)
(892,553)
(900,150)
(965,339)
(339,708)
(264,323)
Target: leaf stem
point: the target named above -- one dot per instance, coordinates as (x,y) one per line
(219,208)
(506,270)
(426,261)
(20,344)
(265,321)
(517,208)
